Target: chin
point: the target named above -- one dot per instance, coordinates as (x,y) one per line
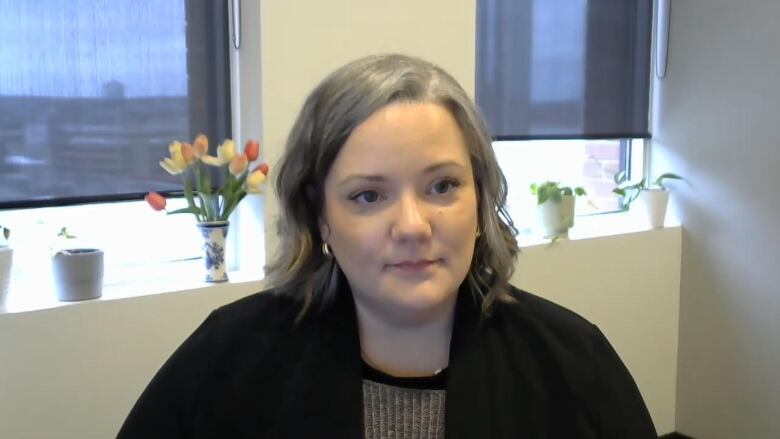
(422,300)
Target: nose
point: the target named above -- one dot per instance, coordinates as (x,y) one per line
(411,221)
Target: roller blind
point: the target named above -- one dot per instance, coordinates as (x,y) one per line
(559,69)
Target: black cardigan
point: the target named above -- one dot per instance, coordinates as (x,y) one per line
(532,369)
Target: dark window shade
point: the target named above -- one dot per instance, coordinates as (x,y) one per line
(558,69)
(91,93)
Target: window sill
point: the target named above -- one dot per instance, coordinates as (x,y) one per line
(186,276)
(160,278)
(598,226)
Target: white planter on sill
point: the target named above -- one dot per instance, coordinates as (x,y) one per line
(78,274)
(654,202)
(555,219)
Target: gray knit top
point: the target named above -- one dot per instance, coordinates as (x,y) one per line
(403,408)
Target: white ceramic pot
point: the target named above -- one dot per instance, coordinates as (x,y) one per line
(6,261)
(555,219)
(654,202)
(78,274)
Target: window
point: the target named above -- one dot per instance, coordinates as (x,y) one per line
(91,93)
(587,163)
(564,86)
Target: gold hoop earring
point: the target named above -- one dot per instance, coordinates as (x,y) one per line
(326,249)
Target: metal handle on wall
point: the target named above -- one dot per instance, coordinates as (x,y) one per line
(662,38)
(236,15)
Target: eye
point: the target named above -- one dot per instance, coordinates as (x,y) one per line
(445,186)
(365,197)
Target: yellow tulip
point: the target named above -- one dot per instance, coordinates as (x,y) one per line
(225,154)
(176,163)
(255,181)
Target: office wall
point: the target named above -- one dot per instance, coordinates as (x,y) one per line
(717,121)
(74,372)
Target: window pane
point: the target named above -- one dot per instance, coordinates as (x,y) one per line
(591,164)
(91,92)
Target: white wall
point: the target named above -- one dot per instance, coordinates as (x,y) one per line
(75,371)
(717,122)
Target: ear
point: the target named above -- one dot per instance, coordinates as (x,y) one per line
(324,230)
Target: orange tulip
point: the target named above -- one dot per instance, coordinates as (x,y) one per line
(201,145)
(155,200)
(238,164)
(252,150)
(262,168)
(187,151)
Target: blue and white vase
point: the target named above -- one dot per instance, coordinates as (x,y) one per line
(214,234)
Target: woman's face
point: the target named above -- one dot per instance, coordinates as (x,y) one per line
(401,212)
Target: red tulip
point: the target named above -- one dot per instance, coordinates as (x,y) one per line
(155,200)
(252,150)
(262,168)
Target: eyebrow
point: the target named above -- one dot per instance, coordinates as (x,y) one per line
(379,178)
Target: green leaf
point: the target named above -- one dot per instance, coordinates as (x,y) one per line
(65,234)
(207,206)
(668,175)
(579,191)
(194,210)
(534,189)
(232,205)
(566,191)
(620,177)
(556,196)
(207,182)
(619,191)
(542,197)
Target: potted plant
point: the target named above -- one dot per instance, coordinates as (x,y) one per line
(555,207)
(6,261)
(211,205)
(78,271)
(653,197)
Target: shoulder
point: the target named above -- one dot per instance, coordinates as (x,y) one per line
(531,311)
(554,332)
(268,309)
(264,316)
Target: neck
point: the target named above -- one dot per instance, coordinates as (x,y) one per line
(405,348)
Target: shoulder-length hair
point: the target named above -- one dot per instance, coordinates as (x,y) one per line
(333,110)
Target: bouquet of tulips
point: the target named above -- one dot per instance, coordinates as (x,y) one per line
(191,161)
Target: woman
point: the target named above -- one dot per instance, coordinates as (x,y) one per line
(391,314)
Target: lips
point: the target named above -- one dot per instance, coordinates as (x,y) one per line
(412,266)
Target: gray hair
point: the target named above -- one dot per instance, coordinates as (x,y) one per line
(333,110)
